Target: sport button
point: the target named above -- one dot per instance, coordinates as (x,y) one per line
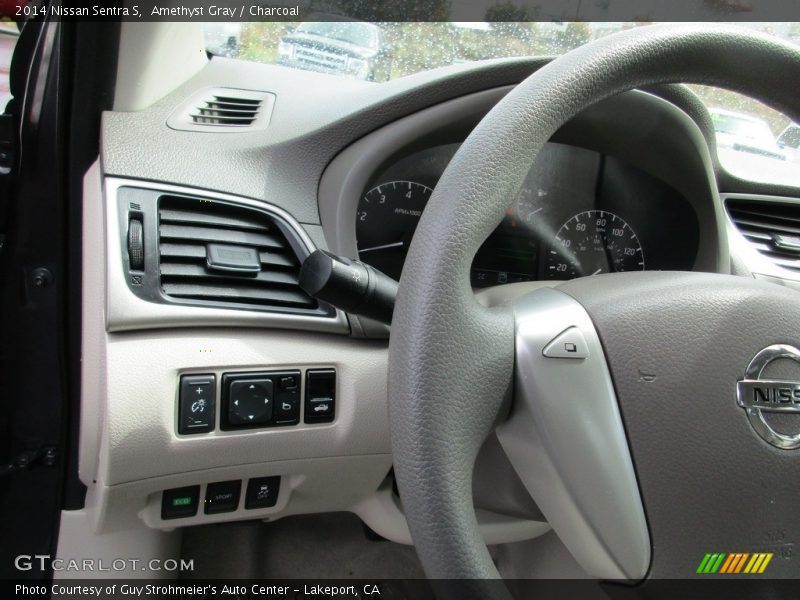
(222,496)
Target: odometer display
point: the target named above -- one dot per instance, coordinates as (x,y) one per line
(594,242)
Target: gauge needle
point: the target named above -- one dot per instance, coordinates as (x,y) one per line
(596,272)
(383,247)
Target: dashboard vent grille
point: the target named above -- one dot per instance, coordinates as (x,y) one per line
(772,228)
(224,110)
(195,234)
(227,110)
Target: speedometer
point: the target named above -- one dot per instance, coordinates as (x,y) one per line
(593,242)
(386,218)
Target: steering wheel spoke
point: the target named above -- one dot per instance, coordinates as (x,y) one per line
(566,440)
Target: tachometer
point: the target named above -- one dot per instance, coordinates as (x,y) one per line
(385,222)
(593,242)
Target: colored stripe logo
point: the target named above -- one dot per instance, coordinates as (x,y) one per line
(734,563)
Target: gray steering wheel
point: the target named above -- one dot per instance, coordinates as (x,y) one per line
(599,457)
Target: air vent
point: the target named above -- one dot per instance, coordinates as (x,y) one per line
(224,110)
(227,110)
(772,228)
(224,254)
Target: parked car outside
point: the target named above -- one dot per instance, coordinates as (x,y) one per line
(353,48)
(744,133)
(789,142)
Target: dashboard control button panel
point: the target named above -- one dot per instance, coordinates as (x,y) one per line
(220,497)
(255,400)
(251,400)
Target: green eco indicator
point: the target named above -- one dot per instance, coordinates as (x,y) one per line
(182,501)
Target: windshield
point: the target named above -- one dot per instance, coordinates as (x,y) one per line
(747,131)
(360,34)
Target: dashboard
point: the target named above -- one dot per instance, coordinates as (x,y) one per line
(627,185)
(578,213)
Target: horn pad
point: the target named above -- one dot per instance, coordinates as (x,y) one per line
(676,345)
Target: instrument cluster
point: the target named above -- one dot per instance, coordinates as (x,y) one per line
(579,213)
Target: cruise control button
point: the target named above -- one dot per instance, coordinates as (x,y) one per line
(567,344)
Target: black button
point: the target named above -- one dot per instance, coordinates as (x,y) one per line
(262,492)
(196,404)
(318,409)
(288,382)
(287,407)
(180,502)
(250,402)
(222,496)
(320,404)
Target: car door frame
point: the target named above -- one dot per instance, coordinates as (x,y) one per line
(62,77)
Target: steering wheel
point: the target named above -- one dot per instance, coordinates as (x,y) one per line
(634,447)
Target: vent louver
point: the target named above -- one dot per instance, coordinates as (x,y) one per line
(193,233)
(224,110)
(772,228)
(227,110)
